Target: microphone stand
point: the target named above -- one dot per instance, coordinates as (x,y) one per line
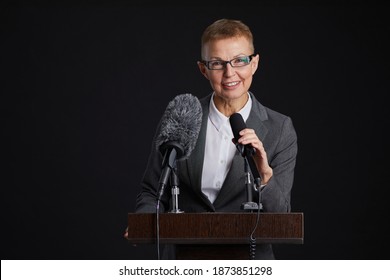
(249,205)
(175,191)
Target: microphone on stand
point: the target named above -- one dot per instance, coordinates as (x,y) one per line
(247,151)
(180,126)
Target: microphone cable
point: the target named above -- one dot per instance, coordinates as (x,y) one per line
(158,228)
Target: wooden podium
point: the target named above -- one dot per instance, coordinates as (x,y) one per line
(221,235)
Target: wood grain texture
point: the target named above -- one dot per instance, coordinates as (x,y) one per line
(216,228)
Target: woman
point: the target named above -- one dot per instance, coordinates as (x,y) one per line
(212,178)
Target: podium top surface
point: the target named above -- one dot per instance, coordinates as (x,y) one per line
(216,228)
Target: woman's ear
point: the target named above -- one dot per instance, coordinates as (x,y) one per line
(255,63)
(203,69)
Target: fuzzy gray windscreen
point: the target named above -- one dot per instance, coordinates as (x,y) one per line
(181,122)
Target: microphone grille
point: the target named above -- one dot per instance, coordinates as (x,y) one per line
(237,123)
(181,122)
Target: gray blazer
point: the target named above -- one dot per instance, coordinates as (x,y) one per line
(279,138)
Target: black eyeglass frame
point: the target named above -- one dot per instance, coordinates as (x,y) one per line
(225,62)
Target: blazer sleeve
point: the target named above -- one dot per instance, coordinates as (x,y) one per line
(146,200)
(276,196)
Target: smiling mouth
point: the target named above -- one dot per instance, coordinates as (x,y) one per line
(231,84)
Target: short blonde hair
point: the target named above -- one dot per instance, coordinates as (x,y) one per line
(226,28)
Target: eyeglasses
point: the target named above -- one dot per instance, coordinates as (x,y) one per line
(221,64)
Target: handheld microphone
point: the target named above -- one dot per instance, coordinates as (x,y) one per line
(180,126)
(237,123)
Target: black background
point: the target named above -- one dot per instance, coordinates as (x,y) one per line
(84,85)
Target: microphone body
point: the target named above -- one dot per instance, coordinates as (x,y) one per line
(237,123)
(180,126)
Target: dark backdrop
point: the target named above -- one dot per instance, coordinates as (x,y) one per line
(83,87)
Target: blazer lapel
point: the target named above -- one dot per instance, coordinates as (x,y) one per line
(234,182)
